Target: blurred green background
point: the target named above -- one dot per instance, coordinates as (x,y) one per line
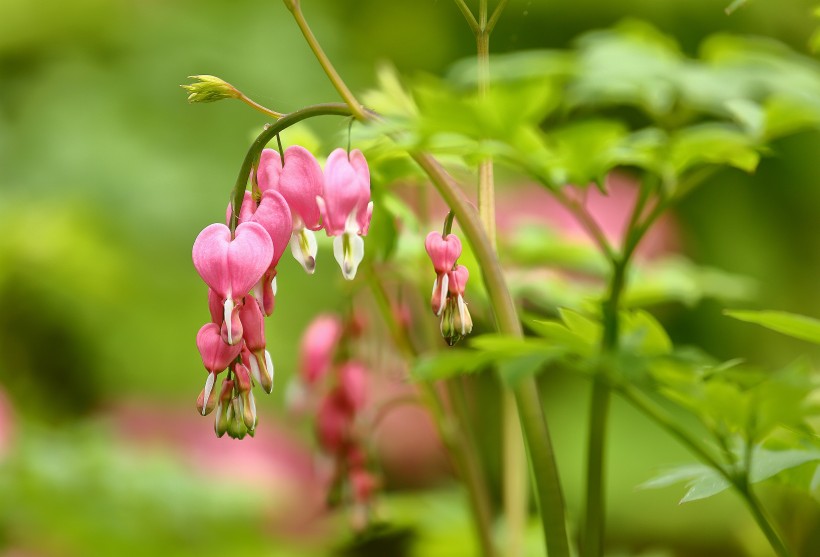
(107,175)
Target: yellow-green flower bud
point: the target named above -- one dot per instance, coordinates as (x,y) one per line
(209,88)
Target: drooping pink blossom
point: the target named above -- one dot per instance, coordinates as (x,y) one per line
(259,361)
(232,266)
(443,252)
(275,216)
(317,347)
(299,180)
(216,357)
(346,207)
(334,422)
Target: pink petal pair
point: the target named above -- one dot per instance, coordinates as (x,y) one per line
(346,207)
(299,180)
(443,252)
(232,266)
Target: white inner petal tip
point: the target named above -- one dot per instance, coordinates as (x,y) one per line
(228,310)
(273,285)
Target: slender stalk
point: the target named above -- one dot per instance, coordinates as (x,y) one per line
(472,469)
(330,109)
(327,66)
(468,15)
(496,16)
(514,463)
(256,106)
(531,415)
(533,421)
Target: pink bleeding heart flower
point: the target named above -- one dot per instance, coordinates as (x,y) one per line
(260,362)
(346,207)
(318,345)
(245,212)
(275,217)
(216,356)
(299,180)
(456,321)
(231,267)
(443,253)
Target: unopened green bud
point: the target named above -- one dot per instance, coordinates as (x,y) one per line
(449,331)
(209,88)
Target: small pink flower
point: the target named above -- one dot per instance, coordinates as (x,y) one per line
(275,217)
(216,357)
(299,180)
(443,253)
(260,362)
(318,345)
(232,266)
(346,207)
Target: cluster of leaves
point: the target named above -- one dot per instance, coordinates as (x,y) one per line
(626,96)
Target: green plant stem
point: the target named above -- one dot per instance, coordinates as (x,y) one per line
(531,414)
(337,81)
(461,448)
(468,15)
(238,193)
(258,107)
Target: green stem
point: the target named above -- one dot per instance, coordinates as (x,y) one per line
(238,193)
(595,512)
(337,81)
(468,15)
(530,411)
(256,106)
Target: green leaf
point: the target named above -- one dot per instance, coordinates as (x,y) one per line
(791,324)
(449,363)
(712,143)
(767,463)
(702,481)
(642,334)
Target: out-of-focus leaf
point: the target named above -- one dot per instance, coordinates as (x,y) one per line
(643,335)
(791,324)
(449,363)
(702,481)
(676,279)
(515,67)
(585,327)
(712,143)
(767,463)
(631,64)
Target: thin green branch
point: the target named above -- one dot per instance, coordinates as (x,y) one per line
(496,16)
(468,15)
(238,193)
(355,107)
(258,107)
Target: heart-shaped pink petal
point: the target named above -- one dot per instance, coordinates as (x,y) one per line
(269,170)
(443,251)
(245,212)
(231,267)
(300,182)
(345,190)
(274,215)
(458,279)
(216,355)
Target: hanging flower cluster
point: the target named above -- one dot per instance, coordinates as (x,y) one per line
(294,199)
(339,389)
(448,288)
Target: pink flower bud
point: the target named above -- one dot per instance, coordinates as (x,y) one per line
(443,252)
(363,484)
(318,346)
(253,325)
(274,215)
(232,334)
(245,212)
(458,279)
(216,355)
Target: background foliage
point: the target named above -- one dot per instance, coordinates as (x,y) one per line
(106,176)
